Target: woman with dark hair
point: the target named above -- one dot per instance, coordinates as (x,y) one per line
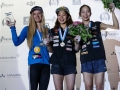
(92,53)
(38,58)
(63,59)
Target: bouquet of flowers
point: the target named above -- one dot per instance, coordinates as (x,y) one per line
(78,28)
(107,3)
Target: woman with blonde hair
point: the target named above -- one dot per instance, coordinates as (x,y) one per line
(38,58)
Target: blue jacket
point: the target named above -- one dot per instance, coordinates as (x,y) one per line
(17,40)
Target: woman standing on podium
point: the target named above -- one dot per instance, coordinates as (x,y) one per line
(92,53)
(63,59)
(38,56)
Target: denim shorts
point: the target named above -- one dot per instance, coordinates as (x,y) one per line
(94,67)
(63,69)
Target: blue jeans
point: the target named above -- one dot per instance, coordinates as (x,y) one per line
(39,75)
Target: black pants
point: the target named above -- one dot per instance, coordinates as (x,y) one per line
(39,75)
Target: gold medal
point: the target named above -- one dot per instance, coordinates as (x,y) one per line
(62,44)
(37,49)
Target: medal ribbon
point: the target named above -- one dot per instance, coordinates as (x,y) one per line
(64,35)
(90,24)
(39,36)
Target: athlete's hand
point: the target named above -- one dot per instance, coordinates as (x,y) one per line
(47,40)
(77,38)
(112,6)
(8,23)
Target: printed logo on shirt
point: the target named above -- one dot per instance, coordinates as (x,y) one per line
(84,46)
(94,43)
(95,27)
(55,37)
(35,56)
(68,41)
(94,40)
(56,44)
(69,49)
(94,36)
(68,45)
(84,49)
(55,41)
(94,33)
(97,46)
(56,31)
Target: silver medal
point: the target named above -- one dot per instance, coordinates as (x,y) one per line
(62,44)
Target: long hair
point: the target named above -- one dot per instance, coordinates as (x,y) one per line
(69,21)
(32,29)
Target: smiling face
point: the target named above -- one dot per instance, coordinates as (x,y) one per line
(62,17)
(37,15)
(85,13)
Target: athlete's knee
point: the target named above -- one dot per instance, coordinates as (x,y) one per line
(88,87)
(99,86)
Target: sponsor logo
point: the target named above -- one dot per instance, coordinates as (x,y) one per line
(5,40)
(113,53)
(104,16)
(2,58)
(76,2)
(53,2)
(25,20)
(31,3)
(113,88)
(2,75)
(110,34)
(5,5)
(3,22)
(51,19)
(17,75)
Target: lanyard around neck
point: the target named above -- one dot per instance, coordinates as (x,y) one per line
(64,35)
(40,37)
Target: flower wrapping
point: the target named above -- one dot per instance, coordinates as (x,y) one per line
(78,28)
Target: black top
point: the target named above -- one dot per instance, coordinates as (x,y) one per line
(93,49)
(63,55)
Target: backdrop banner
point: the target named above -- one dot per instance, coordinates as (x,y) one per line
(13,60)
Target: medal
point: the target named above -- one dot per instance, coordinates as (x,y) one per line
(37,49)
(62,44)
